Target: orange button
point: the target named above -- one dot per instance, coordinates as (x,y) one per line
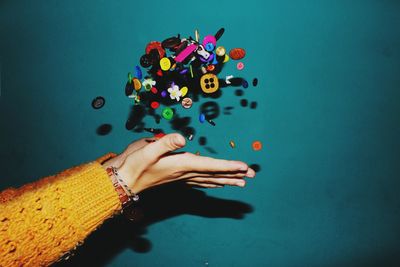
(256,145)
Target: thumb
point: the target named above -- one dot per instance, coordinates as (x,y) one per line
(165,144)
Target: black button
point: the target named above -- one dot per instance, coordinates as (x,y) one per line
(98,102)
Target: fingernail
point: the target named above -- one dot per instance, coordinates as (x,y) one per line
(241,184)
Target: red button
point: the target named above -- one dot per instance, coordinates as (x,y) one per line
(154,104)
(154,90)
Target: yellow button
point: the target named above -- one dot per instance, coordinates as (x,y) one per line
(165,63)
(226,59)
(220,51)
(209,83)
(184,91)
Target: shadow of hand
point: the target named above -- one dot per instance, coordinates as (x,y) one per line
(157,204)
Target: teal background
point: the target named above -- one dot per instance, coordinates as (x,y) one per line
(328,115)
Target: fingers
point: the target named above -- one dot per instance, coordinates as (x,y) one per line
(241,174)
(165,144)
(139,144)
(191,162)
(204,185)
(219,181)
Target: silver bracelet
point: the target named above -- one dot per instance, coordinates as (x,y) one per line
(128,191)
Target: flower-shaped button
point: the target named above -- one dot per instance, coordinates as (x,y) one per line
(174,92)
(148,83)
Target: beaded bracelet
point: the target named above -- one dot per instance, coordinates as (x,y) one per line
(125,194)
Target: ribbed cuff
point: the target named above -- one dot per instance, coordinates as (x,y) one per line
(96,198)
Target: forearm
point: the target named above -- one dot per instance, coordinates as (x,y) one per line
(42,221)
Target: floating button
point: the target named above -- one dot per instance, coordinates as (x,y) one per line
(237,53)
(257,145)
(165,63)
(98,102)
(232,144)
(138,72)
(167,113)
(202,118)
(137,84)
(209,83)
(187,102)
(255,82)
(154,104)
(226,59)
(220,51)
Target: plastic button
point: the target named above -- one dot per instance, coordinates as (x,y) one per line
(187,102)
(237,53)
(154,104)
(167,113)
(165,63)
(209,83)
(184,91)
(137,84)
(240,65)
(98,102)
(220,51)
(202,118)
(257,145)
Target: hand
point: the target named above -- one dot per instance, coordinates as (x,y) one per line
(149,162)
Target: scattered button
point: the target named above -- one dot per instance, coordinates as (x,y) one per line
(257,145)
(165,63)
(154,104)
(226,59)
(209,39)
(240,65)
(202,118)
(171,42)
(164,93)
(184,91)
(187,102)
(137,84)
(98,102)
(210,67)
(167,113)
(255,82)
(237,53)
(145,61)
(155,46)
(138,72)
(148,83)
(220,51)
(232,144)
(154,90)
(209,83)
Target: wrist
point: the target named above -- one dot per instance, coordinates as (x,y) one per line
(125,195)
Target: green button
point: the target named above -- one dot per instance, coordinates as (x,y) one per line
(167,113)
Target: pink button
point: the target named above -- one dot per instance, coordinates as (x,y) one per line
(240,66)
(209,39)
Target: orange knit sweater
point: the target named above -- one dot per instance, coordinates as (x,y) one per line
(42,221)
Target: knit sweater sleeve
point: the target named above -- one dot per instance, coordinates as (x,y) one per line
(42,221)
